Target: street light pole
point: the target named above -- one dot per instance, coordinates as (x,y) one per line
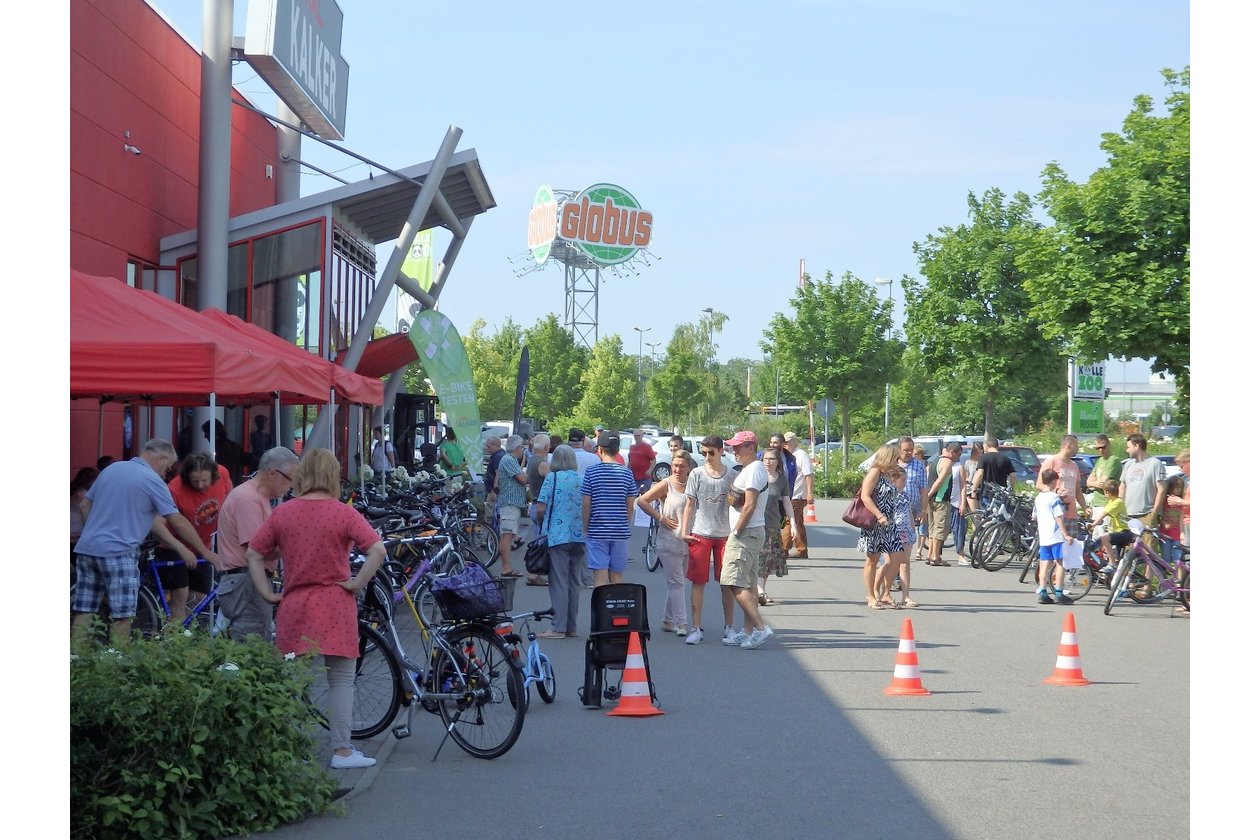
(885,281)
(641,331)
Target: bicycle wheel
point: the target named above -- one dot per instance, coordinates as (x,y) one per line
(975,523)
(486,719)
(997,546)
(483,539)
(377,691)
(149,614)
(1032,564)
(1077,582)
(547,685)
(651,557)
(1183,591)
(1119,583)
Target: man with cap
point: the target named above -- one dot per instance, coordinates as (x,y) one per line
(585,458)
(747,514)
(608,495)
(802,494)
(641,458)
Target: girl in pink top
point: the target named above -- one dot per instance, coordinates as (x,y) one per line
(314,532)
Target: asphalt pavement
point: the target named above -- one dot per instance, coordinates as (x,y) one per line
(798,738)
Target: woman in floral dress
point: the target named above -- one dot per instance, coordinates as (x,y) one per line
(879,495)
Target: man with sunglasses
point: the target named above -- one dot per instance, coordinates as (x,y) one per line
(244,511)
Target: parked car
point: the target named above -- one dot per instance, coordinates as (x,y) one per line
(691,443)
(1170,465)
(833,450)
(1025,461)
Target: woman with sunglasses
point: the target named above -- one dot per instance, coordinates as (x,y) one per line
(705,526)
(671,493)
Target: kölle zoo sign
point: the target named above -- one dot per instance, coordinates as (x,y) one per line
(604,221)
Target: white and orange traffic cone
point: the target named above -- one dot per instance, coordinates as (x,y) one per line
(810,514)
(1067,668)
(636,695)
(906,672)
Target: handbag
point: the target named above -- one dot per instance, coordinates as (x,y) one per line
(537,556)
(859,516)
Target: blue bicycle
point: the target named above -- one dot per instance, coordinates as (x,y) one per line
(536,667)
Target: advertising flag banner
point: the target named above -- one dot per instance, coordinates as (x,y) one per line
(441,352)
(522,382)
(418,264)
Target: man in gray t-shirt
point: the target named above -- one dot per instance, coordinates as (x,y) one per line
(1142,482)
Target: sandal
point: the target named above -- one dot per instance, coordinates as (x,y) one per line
(536,580)
(906,602)
(510,574)
(890,604)
(517,543)
(551,634)
(570,635)
(876,605)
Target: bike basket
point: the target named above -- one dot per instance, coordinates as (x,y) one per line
(472,593)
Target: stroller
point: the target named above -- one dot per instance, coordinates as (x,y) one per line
(617,609)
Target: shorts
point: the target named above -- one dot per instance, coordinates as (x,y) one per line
(114,579)
(610,555)
(248,612)
(180,576)
(509,519)
(938,524)
(698,555)
(1052,553)
(739,563)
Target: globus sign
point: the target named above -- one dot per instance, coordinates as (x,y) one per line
(1090,381)
(604,221)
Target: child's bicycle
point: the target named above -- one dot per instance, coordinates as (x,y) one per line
(535,665)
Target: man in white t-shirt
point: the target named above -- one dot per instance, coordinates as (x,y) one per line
(743,545)
(802,493)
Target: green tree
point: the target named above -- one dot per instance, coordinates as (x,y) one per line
(1112,276)
(835,344)
(494,359)
(609,392)
(970,318)
(673,389)
(555,370)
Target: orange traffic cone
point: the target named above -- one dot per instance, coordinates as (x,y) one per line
(1067,668)
(636,697)
(810,515)
(906,671)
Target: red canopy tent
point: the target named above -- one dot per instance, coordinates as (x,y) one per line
(132,343)
(349,386)
(382,356)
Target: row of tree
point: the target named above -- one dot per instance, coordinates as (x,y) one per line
(1003,301)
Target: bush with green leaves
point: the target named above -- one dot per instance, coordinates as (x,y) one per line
(837,483)
(188,736)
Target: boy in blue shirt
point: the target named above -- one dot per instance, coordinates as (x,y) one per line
(1051,535)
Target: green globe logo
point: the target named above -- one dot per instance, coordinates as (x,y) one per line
(606,223)
(542,224)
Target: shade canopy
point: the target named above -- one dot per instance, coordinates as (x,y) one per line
(128,343)
(382,356)
(350,386)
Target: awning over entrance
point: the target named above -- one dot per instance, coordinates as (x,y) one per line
(383,356)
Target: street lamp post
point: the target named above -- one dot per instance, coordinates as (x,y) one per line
(652,345)
(885,281)
(641,331)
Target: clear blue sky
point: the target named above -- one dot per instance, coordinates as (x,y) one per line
(835,131)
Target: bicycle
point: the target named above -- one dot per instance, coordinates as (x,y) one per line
(470,680)
(651,556)
(152,610)
(536,668)
(1145,577)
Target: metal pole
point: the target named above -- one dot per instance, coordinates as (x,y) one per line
(888,385)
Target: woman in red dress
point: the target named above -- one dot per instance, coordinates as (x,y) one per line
(314,533)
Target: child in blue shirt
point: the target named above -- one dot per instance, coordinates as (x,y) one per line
(1051,535)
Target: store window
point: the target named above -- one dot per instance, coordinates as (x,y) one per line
(141,274)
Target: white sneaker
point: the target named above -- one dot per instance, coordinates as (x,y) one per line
(695,637)
(682,630)
(728,631)
(757,638)
(735,639)
(353,761)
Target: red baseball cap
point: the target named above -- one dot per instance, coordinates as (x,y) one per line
(742,438)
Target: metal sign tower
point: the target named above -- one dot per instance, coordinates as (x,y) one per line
(601,228)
